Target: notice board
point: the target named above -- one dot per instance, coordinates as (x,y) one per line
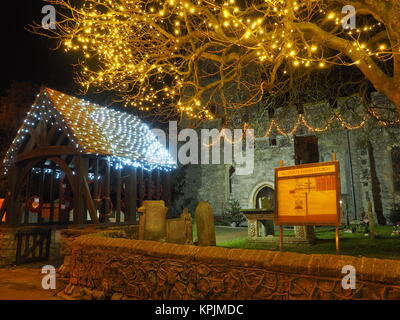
(308,194)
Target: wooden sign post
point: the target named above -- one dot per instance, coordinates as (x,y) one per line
(308,195)
(337,227)
(281,226)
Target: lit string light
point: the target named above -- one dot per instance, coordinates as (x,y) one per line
(301,120)
(152,52)
(96,130)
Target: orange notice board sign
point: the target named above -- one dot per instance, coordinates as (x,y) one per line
(308,194)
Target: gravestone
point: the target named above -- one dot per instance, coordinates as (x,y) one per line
(205,224)
(179,230)
(153,221)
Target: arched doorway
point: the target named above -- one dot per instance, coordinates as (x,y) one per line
(262,196)
(44,192)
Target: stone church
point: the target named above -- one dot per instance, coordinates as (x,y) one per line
(368,150)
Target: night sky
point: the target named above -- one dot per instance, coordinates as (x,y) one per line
(28,57)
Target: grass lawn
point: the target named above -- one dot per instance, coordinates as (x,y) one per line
(351,244)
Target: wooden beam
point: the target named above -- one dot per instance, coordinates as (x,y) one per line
(62,216)
(141,186)
(45,152)
(41,192)
(60,138)
(131,195)
(158,184)
(33,140)
(4,208)
(67,170)
(107,187)
(23,173)
(51,134)
(167,189)
(79,205)
(96,183)
(42,133)
(14,207)
(51,219)
(27,195)
(118,200)
(89,201)
(149,185)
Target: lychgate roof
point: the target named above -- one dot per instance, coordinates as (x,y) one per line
(98,130)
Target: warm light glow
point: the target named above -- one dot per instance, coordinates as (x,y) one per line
(154,53)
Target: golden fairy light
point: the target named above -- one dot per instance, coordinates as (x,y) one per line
(186,57)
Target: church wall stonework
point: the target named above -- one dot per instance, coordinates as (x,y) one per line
(351,150)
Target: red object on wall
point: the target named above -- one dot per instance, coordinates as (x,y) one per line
(34,203)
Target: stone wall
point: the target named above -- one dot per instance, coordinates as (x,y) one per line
(110,268)
(68,236)
(8,244)
(212,181)
(266,159)
(8,247)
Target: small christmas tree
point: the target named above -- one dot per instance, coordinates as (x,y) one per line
(232,212)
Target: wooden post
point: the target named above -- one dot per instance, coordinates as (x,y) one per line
(281,226)
(13,208)
(158,185)
(131,196)
(63,216)
(89,201)
(51,218)
(141,186)
(167,189)
(41,192)
(27,196)
(107,188)
(337,240)
(81,169)
(337,227)
(118,200)
(149,185)
(96,183)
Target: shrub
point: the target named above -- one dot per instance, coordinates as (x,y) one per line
(394,216)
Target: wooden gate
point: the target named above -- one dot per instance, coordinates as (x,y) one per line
(33,245)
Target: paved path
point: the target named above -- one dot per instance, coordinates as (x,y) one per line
(24,283)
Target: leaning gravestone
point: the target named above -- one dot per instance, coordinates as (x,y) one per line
(205,224)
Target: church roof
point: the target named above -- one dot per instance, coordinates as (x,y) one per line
(97,130)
